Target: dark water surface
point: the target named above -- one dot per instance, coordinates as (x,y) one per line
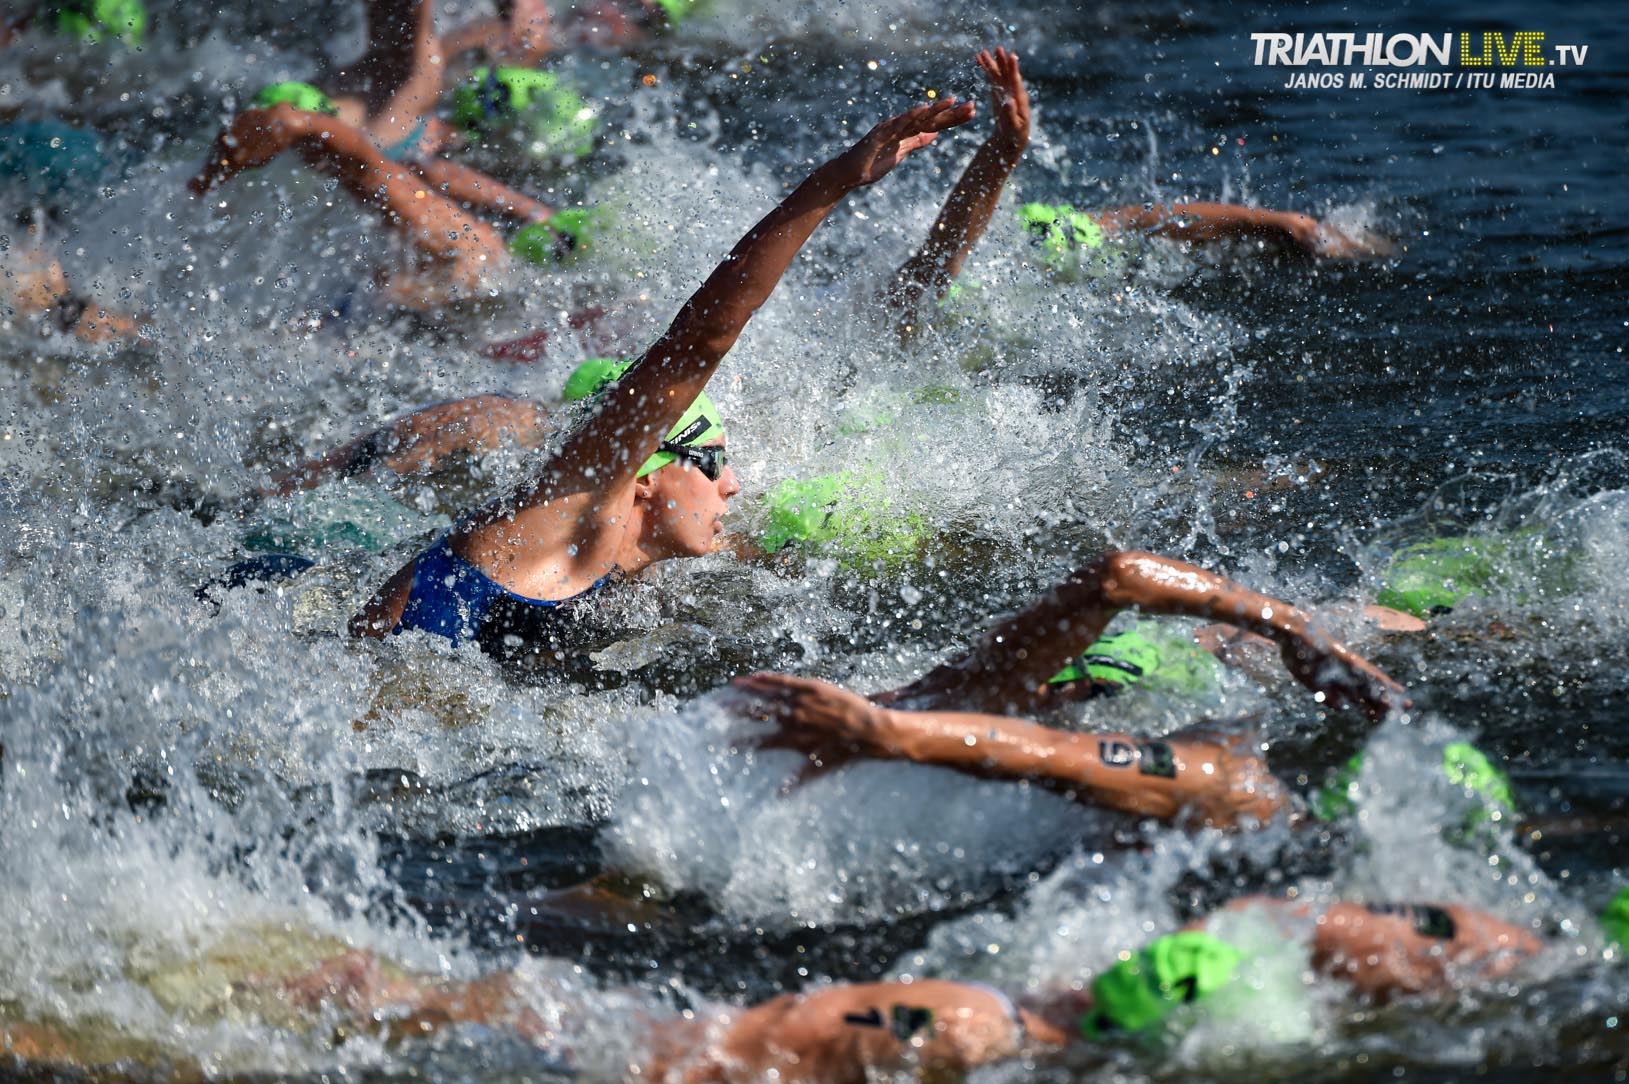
(174,776)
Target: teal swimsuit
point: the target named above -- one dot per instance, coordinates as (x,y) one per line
(408,146)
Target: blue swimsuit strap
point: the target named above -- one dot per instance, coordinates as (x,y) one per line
(408,144)
(451,597)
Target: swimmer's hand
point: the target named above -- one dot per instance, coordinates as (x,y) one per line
(255,137)
(1344,677)
(886,145)
(1329,242)
(828,725)
(1009,100)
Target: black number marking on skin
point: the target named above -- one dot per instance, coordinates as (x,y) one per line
(1116,754)
(907,1020)
(1432,922)
(1156,758)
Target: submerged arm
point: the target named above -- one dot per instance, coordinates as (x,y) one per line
(971,204)
(473,188)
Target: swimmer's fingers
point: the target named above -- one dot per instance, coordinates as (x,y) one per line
(886,145)
(1009,97)
(809,705)
(1345,678)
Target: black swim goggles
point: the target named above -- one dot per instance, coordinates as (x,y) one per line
(708,458)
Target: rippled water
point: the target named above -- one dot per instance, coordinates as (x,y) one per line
(177,779)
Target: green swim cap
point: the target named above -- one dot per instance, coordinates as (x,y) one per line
(1147,653)
(302,96)
(1614,919)
(556,121)
(676,10)
(92,21)
(846,515)
(563,236)
(1431,577)
(1058,230)
(698,425)
(1463,765)
(1138,993)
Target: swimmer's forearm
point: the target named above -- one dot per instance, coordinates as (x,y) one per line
(961,222)
(468,186)
(1154,779)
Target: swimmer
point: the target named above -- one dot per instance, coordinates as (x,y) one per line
(846,1033)
(1066,237)
(522,33)
(484,423)
(88,21)
(960,714)
(381,144)
(644,478)
(34,290)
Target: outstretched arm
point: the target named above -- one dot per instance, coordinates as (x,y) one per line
(1009,667)
(967,211)
(1388,950)
(1203,222)
(434,224)
(472,188)
(1170,779)
(417,442)
(636,411)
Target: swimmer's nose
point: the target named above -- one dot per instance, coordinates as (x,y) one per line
(728,484)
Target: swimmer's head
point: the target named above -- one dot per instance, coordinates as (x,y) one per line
(699,425)
(675,11)
(551,118)
(1114,662)
(1614,919)
(93,21)
(565,235)
(1431,578)
(846,515)
(1463,765)
(1058,231)
(1140,993)
(302,96)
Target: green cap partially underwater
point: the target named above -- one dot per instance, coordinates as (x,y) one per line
(553,118)
(1059,230)
(302,96)
(1137,994)
(698,425)
(94,21)
(566,234)
(1614,919)
(676,10)
(1144,653)
(847,515)
(1431,577)
(1463,765)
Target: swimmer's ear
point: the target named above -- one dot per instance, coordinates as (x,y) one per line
(643,488)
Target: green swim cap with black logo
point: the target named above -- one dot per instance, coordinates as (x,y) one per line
(553,119)
(1463,765)
(1431,577)
(1137,994)
(302,96)
(1147,654)
(566,234)
(1058,231)
(95,21)
(698,425)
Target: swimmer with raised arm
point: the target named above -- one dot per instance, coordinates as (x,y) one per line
(643,478)
(483,423)
(960,714)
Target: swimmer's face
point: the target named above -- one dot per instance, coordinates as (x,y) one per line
(686,508)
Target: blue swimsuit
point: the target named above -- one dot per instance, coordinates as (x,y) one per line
(408,146)
(454,599)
